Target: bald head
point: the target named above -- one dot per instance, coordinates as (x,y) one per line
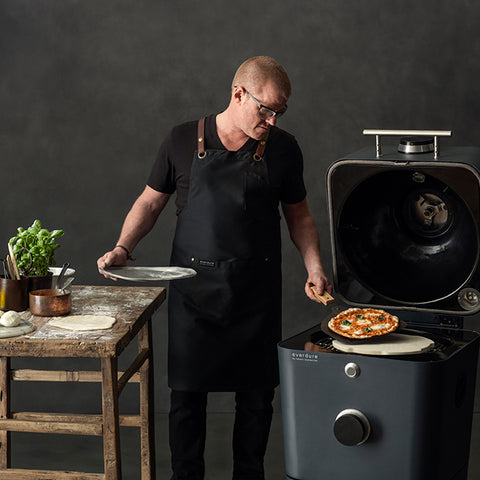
(257,71)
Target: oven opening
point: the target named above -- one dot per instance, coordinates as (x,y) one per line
(407,236)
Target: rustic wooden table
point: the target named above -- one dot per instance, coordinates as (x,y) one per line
(133,308)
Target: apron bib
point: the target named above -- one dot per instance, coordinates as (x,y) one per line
(225,322)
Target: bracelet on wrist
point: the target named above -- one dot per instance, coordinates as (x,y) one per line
(124,247)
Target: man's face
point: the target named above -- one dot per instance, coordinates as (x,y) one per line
(250,122)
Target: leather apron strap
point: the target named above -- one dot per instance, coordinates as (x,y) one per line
(257,156)
(201,138)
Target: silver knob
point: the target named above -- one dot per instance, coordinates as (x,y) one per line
(468,298)
(352,370)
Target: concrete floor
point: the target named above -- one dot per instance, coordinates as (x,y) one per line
(55,452)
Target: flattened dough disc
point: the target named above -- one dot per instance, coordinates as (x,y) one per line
(83,322)
(394,344)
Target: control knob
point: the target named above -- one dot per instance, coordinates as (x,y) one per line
(351,427)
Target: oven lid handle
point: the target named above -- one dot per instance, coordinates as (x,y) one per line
(421,133)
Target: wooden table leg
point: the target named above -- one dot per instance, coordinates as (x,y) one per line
(147,405)
(4,411)
(111,427)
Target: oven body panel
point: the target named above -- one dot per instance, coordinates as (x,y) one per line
(420,413)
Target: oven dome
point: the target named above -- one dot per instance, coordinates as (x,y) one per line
(403,236)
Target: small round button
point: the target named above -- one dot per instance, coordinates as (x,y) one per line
(352,370)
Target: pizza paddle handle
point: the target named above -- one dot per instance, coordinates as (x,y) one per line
(325,298)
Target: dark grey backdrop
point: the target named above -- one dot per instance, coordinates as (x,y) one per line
(88,89)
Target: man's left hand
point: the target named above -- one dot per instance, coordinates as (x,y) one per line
(322,284)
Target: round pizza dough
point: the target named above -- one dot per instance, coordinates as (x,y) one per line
(395,344)
(10,319)
(83,322)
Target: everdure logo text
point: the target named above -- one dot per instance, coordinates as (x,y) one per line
(305,357)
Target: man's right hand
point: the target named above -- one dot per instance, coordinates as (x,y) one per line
(139,221)
(117,257)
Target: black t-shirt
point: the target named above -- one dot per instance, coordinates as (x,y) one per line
(171,170)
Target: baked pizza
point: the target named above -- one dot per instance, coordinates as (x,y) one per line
(363,323)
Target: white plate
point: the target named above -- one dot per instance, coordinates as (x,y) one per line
(149,274)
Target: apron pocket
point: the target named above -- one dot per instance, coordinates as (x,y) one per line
(232,289)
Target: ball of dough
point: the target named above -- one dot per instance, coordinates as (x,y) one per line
(10,319)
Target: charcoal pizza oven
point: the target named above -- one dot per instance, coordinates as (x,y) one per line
(404,224)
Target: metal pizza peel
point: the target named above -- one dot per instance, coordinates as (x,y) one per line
(149,274)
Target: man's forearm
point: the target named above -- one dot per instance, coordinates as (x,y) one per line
(304,235)
(140,219)
(137,224)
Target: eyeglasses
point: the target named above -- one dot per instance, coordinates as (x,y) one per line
(264,112)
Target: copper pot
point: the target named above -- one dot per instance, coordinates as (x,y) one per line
(50,303)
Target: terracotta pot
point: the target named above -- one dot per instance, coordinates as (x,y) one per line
(13,294)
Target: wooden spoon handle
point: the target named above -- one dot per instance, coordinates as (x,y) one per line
(11,270)
(16,273)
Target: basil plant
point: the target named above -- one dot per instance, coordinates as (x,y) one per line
(34,249)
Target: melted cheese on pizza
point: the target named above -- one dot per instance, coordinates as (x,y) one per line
(363,323)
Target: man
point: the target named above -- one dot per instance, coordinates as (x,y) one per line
(230,172)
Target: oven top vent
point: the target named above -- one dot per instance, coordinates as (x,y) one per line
(416,145)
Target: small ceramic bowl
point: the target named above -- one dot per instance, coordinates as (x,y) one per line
(56,272)
(50,303)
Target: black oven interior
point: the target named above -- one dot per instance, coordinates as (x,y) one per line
(405,234)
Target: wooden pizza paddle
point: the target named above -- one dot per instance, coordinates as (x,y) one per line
(325,298)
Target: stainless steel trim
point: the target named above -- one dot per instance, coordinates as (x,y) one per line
(422,133)
(416,148)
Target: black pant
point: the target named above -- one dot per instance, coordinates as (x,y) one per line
(253,417)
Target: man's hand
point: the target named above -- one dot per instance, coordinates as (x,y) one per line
(116,257)
(139,221)
(320,282)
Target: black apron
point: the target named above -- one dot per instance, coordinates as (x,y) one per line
(225,322)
